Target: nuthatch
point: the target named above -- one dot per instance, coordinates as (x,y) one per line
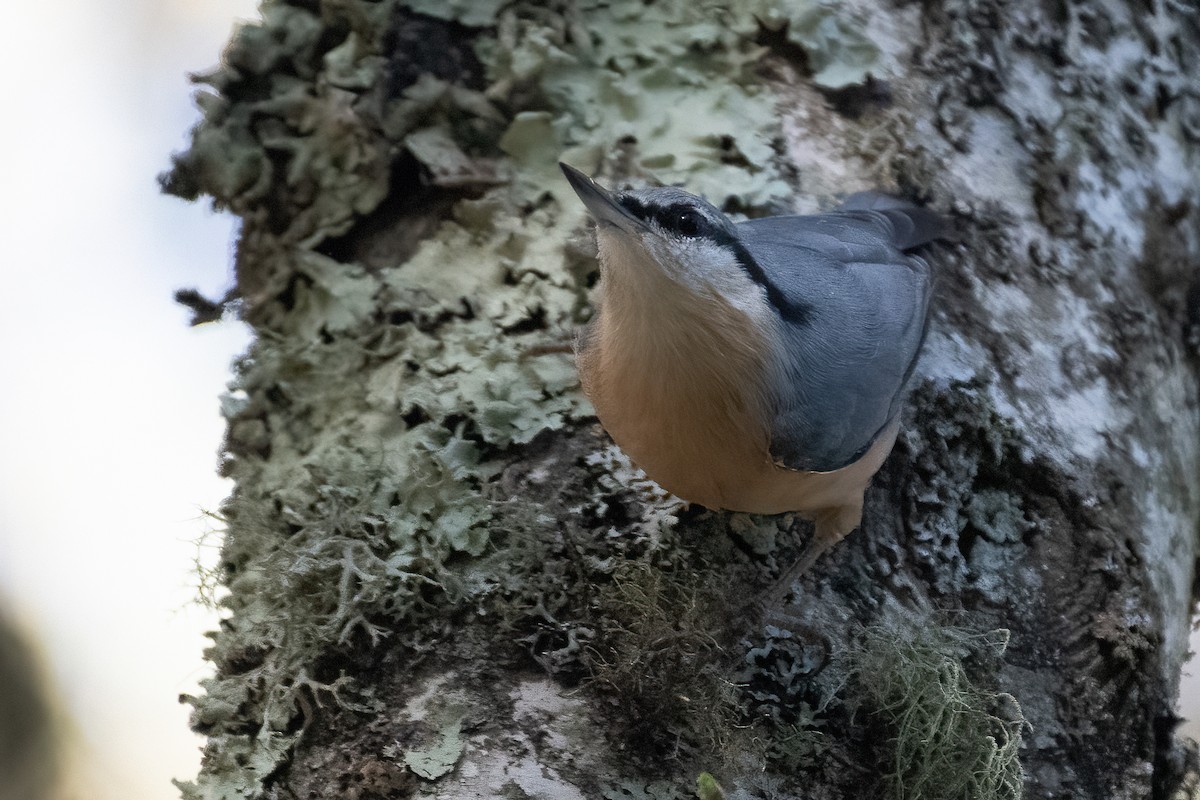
(756,366)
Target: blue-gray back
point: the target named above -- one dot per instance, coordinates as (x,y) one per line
(864,314)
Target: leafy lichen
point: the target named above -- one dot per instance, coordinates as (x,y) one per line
(438,758)
(839,53)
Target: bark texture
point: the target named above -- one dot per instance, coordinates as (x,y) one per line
(441,580)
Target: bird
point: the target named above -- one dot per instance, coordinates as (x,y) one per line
(756,366)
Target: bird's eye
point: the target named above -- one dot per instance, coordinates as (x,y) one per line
(688,223)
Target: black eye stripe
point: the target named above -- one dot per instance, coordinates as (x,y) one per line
(633,206)
(792,310)
(680,219)
(685,220)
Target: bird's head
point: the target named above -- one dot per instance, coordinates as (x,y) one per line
(649,234)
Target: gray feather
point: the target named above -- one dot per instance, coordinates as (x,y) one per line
(912,226)
(867,309)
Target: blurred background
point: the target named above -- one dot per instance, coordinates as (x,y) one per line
(108,401)
(109,426)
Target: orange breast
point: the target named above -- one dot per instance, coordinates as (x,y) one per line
(700,428)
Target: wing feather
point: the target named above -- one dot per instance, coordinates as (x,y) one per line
(847,362)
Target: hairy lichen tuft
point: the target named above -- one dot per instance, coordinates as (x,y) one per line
(950,738)
(660,653)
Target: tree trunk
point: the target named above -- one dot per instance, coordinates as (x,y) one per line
(442,580)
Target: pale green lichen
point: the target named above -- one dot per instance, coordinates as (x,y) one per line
(475,13)
(659,508)
(951,739)
(438,758)
(839,53)
(678,77)
(707,788)
(239,766)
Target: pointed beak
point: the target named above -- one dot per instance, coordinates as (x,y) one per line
(600,202)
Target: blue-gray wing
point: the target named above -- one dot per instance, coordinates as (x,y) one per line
(864,313)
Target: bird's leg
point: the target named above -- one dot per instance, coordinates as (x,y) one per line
(832,526)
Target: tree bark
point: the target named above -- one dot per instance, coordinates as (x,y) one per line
(442,580)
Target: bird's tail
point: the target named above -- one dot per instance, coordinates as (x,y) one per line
(912,225)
